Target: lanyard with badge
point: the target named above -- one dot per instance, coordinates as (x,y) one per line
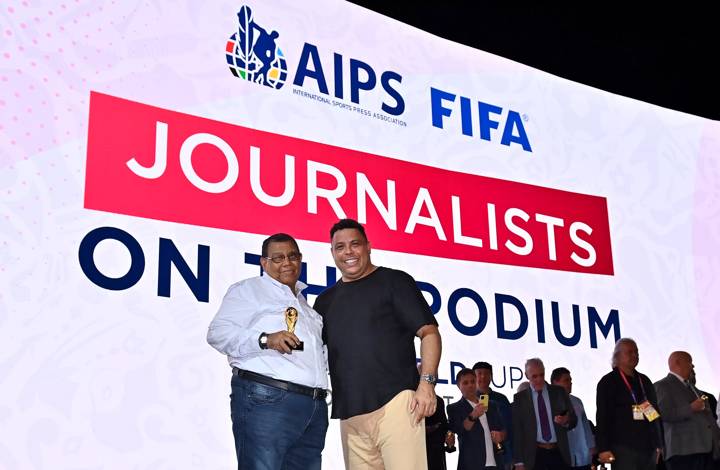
(640,410)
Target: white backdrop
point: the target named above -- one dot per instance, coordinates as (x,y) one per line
(99,378)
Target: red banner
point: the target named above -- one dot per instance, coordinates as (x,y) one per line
(160,164)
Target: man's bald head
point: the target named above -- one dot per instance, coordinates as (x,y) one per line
(680,362)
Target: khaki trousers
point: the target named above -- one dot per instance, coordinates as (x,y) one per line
(385,439)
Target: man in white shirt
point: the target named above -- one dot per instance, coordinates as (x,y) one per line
(478,425)
(273,341)
(542,416)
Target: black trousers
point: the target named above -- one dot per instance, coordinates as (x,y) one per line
(549,459)
(690,462)
(435,456)
(627,458)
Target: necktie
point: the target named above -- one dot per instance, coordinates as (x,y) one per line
(692,388)
(543,415)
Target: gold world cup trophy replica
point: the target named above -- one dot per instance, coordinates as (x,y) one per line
(291,318)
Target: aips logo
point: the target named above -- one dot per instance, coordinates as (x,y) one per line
(252,53)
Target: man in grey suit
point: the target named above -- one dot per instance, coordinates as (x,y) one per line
(542,415)
(691,433)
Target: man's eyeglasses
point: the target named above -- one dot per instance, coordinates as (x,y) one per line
(279,259)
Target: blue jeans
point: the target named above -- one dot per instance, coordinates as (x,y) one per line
(275,429)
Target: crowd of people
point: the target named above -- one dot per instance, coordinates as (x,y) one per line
(638,426)
(362,331)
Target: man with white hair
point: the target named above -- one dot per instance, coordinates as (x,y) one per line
(628,429)
(542,416)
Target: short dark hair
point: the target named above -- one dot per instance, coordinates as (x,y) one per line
(557,374)
(343,224)
(482,365)
(463,372)
(278,238)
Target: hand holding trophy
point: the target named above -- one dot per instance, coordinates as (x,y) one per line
(291,318)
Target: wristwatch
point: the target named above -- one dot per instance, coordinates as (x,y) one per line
(262,340)
(429,378)
(472,418)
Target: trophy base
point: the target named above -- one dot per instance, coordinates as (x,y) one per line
(299,347)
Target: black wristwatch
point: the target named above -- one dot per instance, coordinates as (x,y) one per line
(262,340)
(472,418)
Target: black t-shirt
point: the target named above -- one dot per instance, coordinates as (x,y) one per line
(369,328)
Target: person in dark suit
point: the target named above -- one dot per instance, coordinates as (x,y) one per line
(712,402)
(542,415)
(479,428)
(581,439)
(484,374)
(625,436)
(436,430)
(436,435)
(691,432)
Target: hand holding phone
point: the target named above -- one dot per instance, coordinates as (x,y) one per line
(484,399)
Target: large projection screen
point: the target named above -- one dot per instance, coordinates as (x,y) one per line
(149,147)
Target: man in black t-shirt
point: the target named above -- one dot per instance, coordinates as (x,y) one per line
(371,318)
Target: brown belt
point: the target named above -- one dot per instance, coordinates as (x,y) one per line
(548,446)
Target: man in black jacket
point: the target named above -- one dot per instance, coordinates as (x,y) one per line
(628,427)
(478,426)
(484,374)
(437,435)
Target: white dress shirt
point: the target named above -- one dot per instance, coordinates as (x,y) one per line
(677,376)
(257,305)
(546,399)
